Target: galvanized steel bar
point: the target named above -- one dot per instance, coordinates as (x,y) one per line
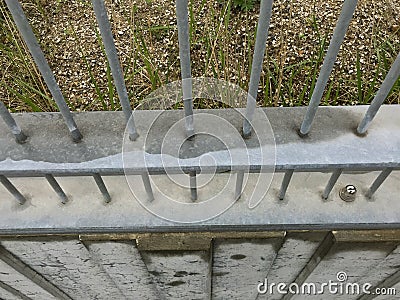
(390,79)
(44,68)
(339,33)
(147,186)
(239,184)
(12,189)
(112,56)
(331,183)
(285,183)
(193,186)
(256,68)
(377,152)
(20,137)
(378,182)
(57,188)
(102,187)
(184,55)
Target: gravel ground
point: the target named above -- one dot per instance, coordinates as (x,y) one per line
(146,38)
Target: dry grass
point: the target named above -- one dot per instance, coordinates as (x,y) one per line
(222,40)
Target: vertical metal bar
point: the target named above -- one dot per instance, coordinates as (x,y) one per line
(378,182)
(102,187)
(44,68)
(184,55)
(331,183)
(147,186)
(381,95)
(256,67)
(57,188)
(285,183)
(20,137)
(343,22)
(112,56)
(12,189)
(239,184)
(193,186)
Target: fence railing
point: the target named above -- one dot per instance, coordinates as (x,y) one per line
(337,164)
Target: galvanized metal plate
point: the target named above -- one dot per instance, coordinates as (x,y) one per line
(332,144)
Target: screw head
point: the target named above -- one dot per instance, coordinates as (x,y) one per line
(348,193)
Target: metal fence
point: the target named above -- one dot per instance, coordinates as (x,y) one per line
(335,165)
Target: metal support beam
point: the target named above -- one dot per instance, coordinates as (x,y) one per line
(44,68)
(193,186)
(239,184)
(378,182)
(332,181)
(12,189)
(256,67)
(390,80)
(112,56)
(285,183)
(376,151)
(102,187)
(331,147)
(20,137)
(57,188)
(343,22)
(147,186)
(184,55)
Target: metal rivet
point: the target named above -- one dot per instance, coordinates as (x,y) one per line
(348,193)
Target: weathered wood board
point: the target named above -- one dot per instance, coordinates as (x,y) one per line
(231,268)
(123,263)
(183,275)
(239,265)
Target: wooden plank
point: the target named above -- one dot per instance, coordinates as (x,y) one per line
(9,293)
(182,241)
(21,283)
(354,259)
(179,275)
(313,263)
(385,274)
(18,265)
(67,263)
(365,236)
(389,294)
(195,240)
(173,242)
(239,265)
(123,263)
(293,256)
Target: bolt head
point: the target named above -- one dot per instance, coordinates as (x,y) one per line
(348,193)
